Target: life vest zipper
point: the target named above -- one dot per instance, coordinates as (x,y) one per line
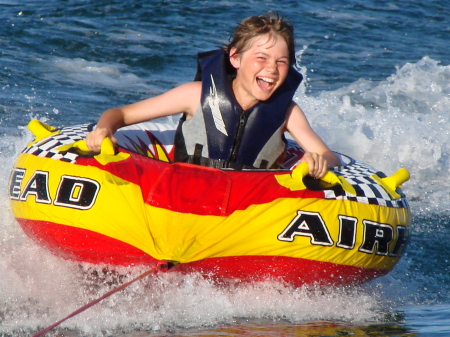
(243,117)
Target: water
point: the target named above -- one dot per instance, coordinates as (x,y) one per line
(377,88)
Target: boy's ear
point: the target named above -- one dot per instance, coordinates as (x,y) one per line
(234,59)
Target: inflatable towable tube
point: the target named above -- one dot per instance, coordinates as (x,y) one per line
(132,206)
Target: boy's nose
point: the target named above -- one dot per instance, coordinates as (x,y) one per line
(271,66)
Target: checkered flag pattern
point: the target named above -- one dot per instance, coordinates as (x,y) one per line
(47,147)
(368,191)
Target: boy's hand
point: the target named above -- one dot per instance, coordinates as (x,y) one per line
(94,139)
(317,164)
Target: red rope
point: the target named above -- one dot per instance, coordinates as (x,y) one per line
(162,265)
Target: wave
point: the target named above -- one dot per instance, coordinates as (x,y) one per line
(400,122)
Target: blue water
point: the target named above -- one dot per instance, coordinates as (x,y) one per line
(377,88)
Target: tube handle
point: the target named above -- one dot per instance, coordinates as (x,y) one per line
(107,151)
(294,181)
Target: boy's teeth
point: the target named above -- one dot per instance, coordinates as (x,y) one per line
(266,79)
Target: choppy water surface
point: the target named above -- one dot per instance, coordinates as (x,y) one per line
(377,88)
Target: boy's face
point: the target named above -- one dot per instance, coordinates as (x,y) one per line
(261,69)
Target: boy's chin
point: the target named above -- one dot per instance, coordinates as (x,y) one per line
(264,96)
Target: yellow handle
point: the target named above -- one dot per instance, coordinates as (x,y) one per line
(397,179)
(294,181)
(40,131)
(80,145)
(391,183)
(107,152)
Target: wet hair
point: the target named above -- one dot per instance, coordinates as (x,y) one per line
(270,23)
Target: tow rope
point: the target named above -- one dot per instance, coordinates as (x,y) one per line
(160,266)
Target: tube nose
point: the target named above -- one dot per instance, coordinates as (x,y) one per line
(391,183)
(397,179)
(40,130)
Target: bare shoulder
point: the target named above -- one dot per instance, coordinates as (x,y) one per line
(294,107)
(190,87)
(189,95)
(295,114)
(189,90)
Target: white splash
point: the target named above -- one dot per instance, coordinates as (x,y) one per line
(400,122)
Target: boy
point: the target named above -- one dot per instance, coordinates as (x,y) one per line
(235,117)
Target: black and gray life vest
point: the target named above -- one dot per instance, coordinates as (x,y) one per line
(221,134)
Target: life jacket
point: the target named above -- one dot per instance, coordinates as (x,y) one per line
(221,134)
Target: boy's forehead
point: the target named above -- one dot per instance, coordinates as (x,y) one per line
(265,41)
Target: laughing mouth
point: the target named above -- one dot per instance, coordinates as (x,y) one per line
(265,82)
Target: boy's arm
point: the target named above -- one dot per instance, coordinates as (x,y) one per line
(184,98)
(318,155)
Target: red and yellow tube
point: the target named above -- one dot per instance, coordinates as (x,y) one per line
(129,209)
